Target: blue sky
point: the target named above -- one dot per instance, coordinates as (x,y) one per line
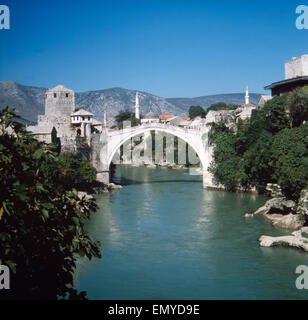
(171,48)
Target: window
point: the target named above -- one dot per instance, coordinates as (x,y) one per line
(82,118)
(66,95)
(89,118)
(55,95)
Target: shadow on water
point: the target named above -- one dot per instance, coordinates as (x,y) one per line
(127,182)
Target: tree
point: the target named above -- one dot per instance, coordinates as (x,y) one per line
(264,149)
(75,172)
(222,106)
(126,115)
(227,166)
(41,220)
(298,106)
(290,160)
(195,111)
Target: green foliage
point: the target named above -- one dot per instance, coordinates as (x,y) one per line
(298,102)
(126,115)
(196,111)
(227,168)
(74,172)
(222,106)
(273,117)
(290,159)
(41,219)
(265,149)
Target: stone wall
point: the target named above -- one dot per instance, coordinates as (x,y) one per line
(297,67)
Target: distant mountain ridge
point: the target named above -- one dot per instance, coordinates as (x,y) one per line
(29,101)
(207,101)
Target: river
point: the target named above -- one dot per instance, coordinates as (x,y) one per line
(164,237)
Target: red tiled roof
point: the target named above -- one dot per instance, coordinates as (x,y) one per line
(166,116)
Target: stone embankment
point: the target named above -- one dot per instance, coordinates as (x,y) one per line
(286,214)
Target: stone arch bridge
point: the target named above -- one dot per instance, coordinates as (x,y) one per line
(105,145)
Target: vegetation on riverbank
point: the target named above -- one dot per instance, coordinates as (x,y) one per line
(271,147)
(41,215)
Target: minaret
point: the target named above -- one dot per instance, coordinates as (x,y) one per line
(137,107)
(105,119)
(247,96)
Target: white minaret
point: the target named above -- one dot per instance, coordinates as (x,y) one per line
(137,107)
(247,96)
(105,119)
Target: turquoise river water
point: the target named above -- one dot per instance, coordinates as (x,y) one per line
(164,237)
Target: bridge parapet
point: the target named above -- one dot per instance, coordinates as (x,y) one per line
(162,126)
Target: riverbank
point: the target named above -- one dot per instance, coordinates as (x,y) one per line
(287,214)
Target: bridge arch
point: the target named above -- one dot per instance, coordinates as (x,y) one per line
(111,140)
(141,130)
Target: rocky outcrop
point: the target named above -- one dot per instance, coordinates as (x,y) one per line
(302,207)
(274,190)
(298,239)
(282,212)
(289,221)
(103,188)
(286,214)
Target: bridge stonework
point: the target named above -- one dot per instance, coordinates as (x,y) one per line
(105,145)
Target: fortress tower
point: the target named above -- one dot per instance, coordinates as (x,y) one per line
(59,102)
(59,105)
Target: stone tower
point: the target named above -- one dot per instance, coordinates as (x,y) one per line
(59,105)
(59,102)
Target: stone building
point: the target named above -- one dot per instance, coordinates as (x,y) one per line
(56,122)
(82,122)
(150,117)
(296,75)
(263,99)
(61,123)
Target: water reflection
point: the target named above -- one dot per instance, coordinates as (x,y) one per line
(164,237)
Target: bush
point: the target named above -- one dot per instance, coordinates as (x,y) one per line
(290,160)
(41,220)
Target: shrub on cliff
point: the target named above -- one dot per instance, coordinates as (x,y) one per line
(290,160)
(266,148)
(41,220)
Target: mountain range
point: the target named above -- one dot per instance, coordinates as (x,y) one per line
(28,101)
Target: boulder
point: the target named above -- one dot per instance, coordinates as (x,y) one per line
(298,239)
(281,212)
(113,186)
(289,221)
(274,190)
(279,205)
(150,165)
(302,207)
